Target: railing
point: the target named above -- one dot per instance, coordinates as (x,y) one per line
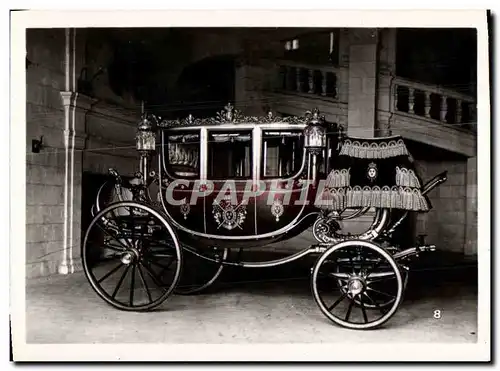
(434,103)
(411,98)
(319,81)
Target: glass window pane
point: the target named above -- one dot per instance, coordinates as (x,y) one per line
(282,153)
(183,155)
(230,155)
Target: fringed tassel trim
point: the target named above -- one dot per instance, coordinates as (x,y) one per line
(391,198)
(406,178)
(374,150)
(339,178)
(332,199)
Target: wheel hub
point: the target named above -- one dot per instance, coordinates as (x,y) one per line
(129,256)
(355,286)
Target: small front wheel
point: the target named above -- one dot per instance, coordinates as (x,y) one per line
(357,284)
(131,256)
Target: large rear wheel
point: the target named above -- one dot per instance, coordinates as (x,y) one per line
(131,256)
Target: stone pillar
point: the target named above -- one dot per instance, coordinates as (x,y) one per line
(387,72)
(343,78)
(471,208)
(362,82)
(75,109)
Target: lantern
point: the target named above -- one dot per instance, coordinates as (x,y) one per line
(146,144)
(315,133)
(315,142)
(146,136)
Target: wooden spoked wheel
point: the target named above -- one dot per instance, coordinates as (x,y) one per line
(357,284)
(131,256)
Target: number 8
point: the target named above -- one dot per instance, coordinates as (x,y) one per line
(437,314)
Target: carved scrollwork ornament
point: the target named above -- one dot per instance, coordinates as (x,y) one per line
(324,230)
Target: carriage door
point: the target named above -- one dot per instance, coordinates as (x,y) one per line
(282,162)
(229,169)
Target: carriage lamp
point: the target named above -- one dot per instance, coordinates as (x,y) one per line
(145,144)
(315,133)
(146,136)
(315,139)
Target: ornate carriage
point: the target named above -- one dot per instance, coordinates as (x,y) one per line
(210,186)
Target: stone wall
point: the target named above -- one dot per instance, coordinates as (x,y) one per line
(445,224)
(471,208)
(44,170)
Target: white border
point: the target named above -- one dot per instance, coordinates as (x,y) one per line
(262,352)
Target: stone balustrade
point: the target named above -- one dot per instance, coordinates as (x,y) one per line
(313,80)
(431,102)
(413,98)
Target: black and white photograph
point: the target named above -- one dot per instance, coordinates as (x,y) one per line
(250,185)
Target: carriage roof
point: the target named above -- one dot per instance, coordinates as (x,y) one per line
(231,119)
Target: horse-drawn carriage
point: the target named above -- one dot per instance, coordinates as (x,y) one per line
(207,187)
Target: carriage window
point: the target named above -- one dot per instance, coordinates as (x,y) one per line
(230,155)
(183,155)
(282,153)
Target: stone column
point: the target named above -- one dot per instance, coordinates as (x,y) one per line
(362,82)
(343,78)
(76,107)
(470,247)
(387,72)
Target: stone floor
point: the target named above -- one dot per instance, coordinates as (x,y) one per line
(253,306)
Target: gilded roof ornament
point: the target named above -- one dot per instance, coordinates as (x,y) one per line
(230,115)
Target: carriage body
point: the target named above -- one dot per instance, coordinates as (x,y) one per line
(241,184)
(235,182)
